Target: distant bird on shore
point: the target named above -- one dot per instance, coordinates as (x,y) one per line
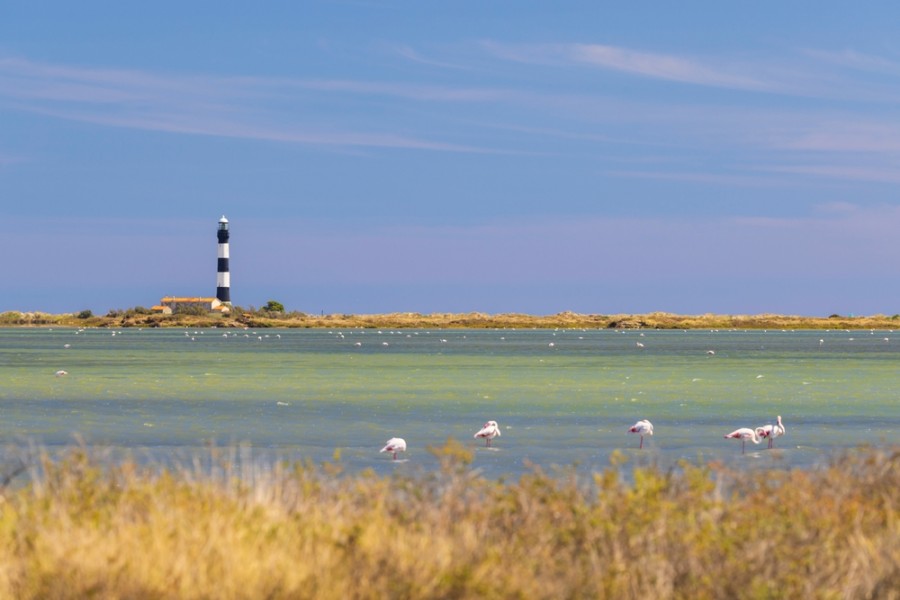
(488,432)
(394,446)
(743,434)
(771,432)
(642,428)
(61,373)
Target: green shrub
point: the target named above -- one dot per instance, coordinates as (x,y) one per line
(273,306)
(196,310)
(11,317)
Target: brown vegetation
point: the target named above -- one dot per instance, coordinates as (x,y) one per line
(564,320)
(83,527)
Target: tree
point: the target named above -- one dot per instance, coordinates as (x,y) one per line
(273,306)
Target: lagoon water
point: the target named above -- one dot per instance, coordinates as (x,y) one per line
(563,398)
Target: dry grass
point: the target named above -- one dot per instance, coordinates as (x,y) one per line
(564,320)
(85,527)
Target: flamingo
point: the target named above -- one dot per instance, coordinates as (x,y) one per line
(744,434)
(395,445)
(764,432)
(488,432)
(643,427)
(771,431)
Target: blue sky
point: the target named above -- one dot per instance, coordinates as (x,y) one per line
(379,156)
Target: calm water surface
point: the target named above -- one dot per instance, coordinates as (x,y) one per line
(561,397)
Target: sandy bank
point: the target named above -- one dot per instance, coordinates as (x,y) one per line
(474,320)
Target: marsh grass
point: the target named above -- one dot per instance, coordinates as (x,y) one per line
(222,526)
(137,317)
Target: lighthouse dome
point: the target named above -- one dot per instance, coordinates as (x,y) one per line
(223,219)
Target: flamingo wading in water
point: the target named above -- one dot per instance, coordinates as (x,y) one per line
(395,445)
(743,434)
(771,432)
(488,432)
(643,427)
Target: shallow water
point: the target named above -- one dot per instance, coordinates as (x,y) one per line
(561,397)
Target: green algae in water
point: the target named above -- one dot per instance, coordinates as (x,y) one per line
(561,397)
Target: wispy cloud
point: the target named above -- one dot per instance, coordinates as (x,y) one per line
(718,179)
(242,107)
(854,59)
(856,135)
(9,160)
(648,64)
(399,90)
(844,172)
(660,66)
(211,125)
(807,73)
(413,55)
(534,118)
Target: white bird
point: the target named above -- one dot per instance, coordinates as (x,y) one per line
(61,373)
(395,445)
(771,432)
(639,345)
(744,434)
(642,428)
(488,432)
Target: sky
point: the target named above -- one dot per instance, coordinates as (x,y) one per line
(378,156)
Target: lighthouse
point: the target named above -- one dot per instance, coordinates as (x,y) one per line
(223,278)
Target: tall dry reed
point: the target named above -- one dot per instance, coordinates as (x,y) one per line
(86,526)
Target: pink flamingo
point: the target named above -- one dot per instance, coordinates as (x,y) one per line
(743,434)
(488,432)
(764,432)
(643,427)
(771,431)
(395,445)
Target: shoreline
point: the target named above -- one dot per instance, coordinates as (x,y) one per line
(472,320)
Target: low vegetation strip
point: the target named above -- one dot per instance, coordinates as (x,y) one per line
(141,317)
(85,526)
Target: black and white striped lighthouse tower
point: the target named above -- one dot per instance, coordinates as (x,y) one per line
(223,278)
